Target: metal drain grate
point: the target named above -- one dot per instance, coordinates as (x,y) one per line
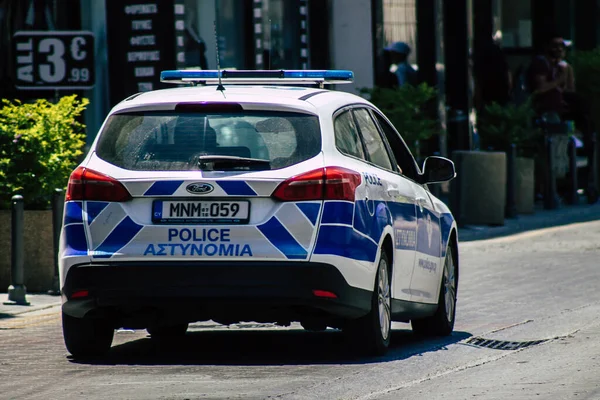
(502,344)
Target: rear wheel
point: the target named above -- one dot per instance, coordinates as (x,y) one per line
(87,337)
(372,332)
(167,331)
(442,322)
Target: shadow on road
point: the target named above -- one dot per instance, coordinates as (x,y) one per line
(290,347)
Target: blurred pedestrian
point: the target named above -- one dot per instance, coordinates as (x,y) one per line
(405,73)
(548,77)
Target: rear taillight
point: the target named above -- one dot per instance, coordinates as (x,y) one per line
(87,184)
(329,183)
(80,294)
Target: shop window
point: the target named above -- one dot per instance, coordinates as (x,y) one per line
(395,21)
(281,32)
(516,28)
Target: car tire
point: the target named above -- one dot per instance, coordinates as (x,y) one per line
(372,332)
(167,331)
(442,322)
(87,337)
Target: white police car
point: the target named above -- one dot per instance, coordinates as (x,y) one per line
(259,200)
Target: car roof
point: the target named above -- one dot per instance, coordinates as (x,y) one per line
(250,96)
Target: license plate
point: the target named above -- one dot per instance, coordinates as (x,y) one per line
(205,212)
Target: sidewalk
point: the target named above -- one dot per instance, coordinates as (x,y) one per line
(540,219)
(37,302)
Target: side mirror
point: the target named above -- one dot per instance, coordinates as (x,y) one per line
(437,169)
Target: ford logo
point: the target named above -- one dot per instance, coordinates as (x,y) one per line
(199,188)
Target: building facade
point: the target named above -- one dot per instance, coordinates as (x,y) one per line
(134,40)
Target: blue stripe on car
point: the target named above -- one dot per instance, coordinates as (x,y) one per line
(163,188)
(73,212)
(311,210)
(236,188)
(371,218)
(75,241)
(276,233)
(337,212)
(446,221)
(118,238)
(94,208)
(345,242)
(424,230)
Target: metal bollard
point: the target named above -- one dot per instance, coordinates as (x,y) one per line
(510,210)
(17,291)
(57,216)
(550,197)
(573,197)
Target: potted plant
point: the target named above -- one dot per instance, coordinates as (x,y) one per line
(501,126)
(40,144)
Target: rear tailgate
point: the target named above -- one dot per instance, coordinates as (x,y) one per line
(236,219)
(198,182)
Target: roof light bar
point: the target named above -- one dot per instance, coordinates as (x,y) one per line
(279,77)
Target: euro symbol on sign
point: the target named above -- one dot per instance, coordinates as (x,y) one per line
(76,52)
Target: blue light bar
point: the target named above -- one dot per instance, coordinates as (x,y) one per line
(280,77)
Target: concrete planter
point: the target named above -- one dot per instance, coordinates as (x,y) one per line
(479,190)
(525,185)
(39,250)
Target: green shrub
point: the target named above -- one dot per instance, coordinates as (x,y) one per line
(406,108)
(499,126)
(40,145)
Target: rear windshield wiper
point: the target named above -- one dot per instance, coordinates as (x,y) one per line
(231,162)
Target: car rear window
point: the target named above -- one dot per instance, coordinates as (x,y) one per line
(170,141)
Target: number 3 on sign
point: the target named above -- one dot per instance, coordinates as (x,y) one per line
(55,70)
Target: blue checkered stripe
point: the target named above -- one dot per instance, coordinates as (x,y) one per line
(292,229)
(343,232)
(110,228)
(75,242)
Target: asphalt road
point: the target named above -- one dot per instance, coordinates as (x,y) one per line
(527,328)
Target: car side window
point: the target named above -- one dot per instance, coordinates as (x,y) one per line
(346,136)
(373,141)
(402,154)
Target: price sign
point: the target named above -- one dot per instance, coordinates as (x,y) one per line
(57,60)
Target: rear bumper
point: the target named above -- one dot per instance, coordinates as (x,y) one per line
(221,291)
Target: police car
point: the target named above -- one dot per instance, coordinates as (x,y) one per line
(254,196)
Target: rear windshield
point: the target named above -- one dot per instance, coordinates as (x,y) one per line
(172,141)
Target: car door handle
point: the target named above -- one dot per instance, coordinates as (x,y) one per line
(421,201)
(393,192)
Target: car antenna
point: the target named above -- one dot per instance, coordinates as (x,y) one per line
(220,87)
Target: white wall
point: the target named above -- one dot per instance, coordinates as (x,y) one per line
(351,41)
